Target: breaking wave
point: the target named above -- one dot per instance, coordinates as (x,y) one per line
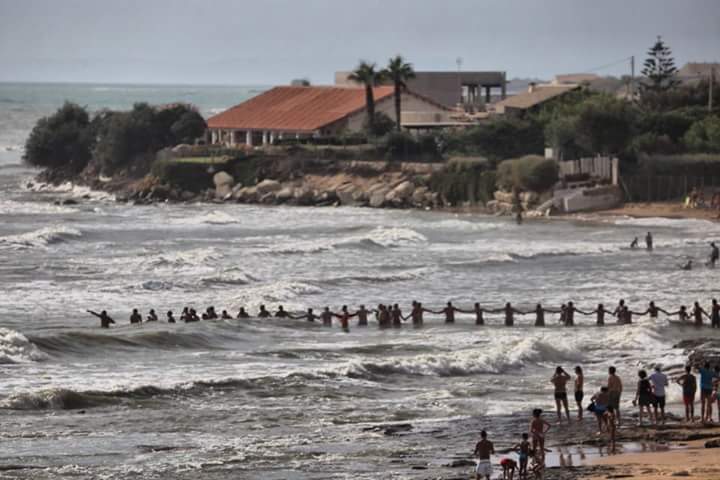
(378,238)
(212,218)
(16,348)
(11,207)
(41,238)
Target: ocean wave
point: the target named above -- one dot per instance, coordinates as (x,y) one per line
(495,360)
(41,238)
(69,188)
(212,218)
(377,238)
(16,348)
(12,207)
(693,224)
(68,399)
(379,277)
(192,257)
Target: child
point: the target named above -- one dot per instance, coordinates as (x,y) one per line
(601,401)
(508,465)
(609,417)
(523,451)
(538,429)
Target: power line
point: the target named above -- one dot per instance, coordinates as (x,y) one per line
(607,65)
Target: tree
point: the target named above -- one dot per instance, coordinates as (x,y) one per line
(64,140)
(398,72)
(367,75)
(604,125)
(659,69)
(704,135)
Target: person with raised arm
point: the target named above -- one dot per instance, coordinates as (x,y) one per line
(448,311)
(105,319)
(309,315)
(559,381)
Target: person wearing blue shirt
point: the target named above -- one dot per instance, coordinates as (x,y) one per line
(706,389)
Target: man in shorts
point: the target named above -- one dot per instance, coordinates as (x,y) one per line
(483,450)
(659,381)
(559,380)
(615,392)
(706,392)
(689,387)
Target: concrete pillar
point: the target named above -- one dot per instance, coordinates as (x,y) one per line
(272,138)
(248,138)
(213,136)
(264,138)
(487,94)
(503,88)
(232,137)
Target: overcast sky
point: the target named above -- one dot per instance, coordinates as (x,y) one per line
(272,41)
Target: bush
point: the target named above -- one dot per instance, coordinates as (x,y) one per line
(704,135)
(404,146)
(532,173)
(191,174)
(497,139)
(464,180)
(64,140)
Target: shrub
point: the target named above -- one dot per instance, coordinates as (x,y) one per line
(497,139)
(383,125)
(464,180)
(191,174)
(532,172)
(704,135)
(62,140)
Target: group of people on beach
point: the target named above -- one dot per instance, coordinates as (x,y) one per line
(650,398)
(389,316)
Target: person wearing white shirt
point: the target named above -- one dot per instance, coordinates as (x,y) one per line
(659,382)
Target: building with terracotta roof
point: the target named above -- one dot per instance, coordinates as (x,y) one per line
(535,96)
(312,112)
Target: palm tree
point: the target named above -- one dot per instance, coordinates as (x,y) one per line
(366,74)
(399,72)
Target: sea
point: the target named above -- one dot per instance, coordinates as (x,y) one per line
(288,399)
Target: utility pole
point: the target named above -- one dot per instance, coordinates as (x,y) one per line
(632,78)
(710,89)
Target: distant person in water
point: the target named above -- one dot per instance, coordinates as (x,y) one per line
(242,313)
(634,243)
(170,317)
(152,316)
(653,311)
(344,317)
(135,317)
(649,241)
(714,254)
(326,317)
(715,314)
(682,314)
(225,315)
(193,316)
(449,312)
(397,316)
(362,314)
(309,315)
(383,316)
(483,449)
(698,313)
(185,315)
(687,266)
(263,313)
(281,313)
(600,312)
(559,380)
(105,319)
(620,311)
(417,314)
(510,314)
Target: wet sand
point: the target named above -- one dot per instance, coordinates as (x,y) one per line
(661,209)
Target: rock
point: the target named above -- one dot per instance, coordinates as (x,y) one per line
(504,197)
(377,198)
(418,196)
(267,186)
(403,191)
(713,443)
(346,194)
(69,201)
(284,195)
(680,473)
(326,198)
(268,198)
(303,196)
(529,198)
(224,183)
(460,463)
(247,195)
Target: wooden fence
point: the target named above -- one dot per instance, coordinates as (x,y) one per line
(660,188)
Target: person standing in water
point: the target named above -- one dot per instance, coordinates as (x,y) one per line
(170,318)
(448,311)
(326,317)
(698,313)
(417,314)
(478,311)
(600,312)
(559,380)
(615,389)
(225,315)
(242,313)
(649,241)
(344,317)
(397,316)
(362,314)
(309,315)
(105,319)
(715,314)
(263,313)
(281,313)
(714,254)
(152,316)
(135,317)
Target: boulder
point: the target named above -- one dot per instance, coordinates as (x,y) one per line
(418,196)
(404,190)
(505,197)
(346,194)
(303,196)
(246,195)
(224,183)
(377,197)
(267,186)
(284,195)
(268,198)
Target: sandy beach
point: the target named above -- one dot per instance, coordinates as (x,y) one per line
(661,209)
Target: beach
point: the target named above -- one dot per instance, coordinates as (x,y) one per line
(675,210)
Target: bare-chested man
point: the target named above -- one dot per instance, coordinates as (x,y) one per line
(560,380)
(698,313)
(396,315)
(362,314)
(483,450)
(448,311)
(477,310)
(326,317)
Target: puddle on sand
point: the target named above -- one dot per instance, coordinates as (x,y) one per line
(584,455)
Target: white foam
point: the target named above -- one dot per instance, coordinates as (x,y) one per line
(40,238)
(212,218)
(12,207)
(16,348)
(73,190)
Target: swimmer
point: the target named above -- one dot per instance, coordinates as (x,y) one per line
(281,313)
(225,315)
(362,314)
(170,318)
(698,313)
(687,266)
(682,314)
(714,254)
(263,313)
(105,319)
(135,317)
(634,243)
(152,316)
(344,317)
(326,317)
(185,315)
(649,241)
(396,315)
(478,311)
(242,313)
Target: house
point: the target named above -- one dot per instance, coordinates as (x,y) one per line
(535,96)
(693,72)
(313,112)
(472,89)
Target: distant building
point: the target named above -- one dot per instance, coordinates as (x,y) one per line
(317,111)
(575,78)
(535,96)
(469,89)
(696,71)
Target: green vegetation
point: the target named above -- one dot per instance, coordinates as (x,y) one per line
(465,180)
(368,75)
(530,173)
(112,141)
(61,141)
(497,139)
(398,72)
(193,174)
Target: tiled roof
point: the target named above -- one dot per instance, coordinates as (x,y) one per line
(540,94)
(296,109)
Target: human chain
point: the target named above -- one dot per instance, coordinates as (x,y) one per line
(388,316)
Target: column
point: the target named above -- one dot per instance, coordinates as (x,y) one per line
(487,94)
(272,138)
(232,137)
(248,138)
(213,136)
(264,138)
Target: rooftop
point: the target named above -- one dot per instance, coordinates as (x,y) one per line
(296,108)
(534,96)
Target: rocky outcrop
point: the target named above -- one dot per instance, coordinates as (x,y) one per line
(224,184)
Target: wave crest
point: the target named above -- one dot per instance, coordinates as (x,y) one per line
(41,238)
(16,348)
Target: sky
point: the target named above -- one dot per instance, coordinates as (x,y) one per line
(264,42)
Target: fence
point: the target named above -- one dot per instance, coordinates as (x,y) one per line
(596,167)
(649,187)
